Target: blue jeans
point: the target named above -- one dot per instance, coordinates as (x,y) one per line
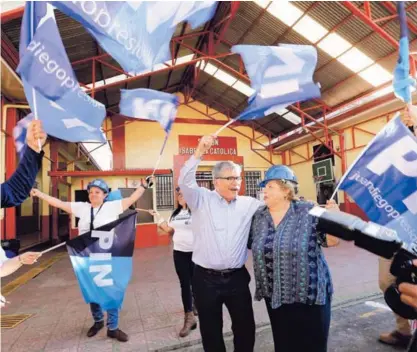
(112,316)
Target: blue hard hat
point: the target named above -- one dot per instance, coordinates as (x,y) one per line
(279,172)
(99,183)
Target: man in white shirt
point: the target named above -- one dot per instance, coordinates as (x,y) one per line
(221,224)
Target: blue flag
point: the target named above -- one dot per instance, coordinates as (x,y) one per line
(102,261)
(280,75)
(383,180)
(136,33)
(51,88)
(19,134)
(402,82)
(149,104)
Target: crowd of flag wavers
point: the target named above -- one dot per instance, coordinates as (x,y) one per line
(212,232)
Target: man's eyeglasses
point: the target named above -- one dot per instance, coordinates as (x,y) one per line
(230,178)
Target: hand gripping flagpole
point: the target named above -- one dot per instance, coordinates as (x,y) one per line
(35,107)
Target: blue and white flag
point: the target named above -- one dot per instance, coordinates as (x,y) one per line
(102,261)
(51,88)
(19,134)
(149,104)
(280,75)
(402,82)
(136,33)
(383,180)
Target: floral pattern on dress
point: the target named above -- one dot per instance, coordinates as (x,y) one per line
(289,264)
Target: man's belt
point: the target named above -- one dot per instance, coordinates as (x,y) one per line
(220,272)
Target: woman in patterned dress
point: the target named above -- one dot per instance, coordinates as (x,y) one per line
(291,272)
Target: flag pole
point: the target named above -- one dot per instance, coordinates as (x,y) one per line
(54,247)
(225,126)
(35,107)
(160,154)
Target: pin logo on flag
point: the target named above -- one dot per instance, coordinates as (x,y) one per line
(383,180)
(102,261)
(279,75)
(149,104)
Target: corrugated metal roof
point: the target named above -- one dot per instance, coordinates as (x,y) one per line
(251,25)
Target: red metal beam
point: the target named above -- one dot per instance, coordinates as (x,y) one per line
(392,9)
(354,44)
(234,7)
(9,52)
(127,172)
(12,14)
(367,20)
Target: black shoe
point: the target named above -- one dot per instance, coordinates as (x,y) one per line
(117,334)
(95,328)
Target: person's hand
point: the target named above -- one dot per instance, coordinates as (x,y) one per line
(204,145)
(409,292)
(410,115)
(331,205)
(158,217)
(34,192)
(29,258)
(154,212)
(35,133)
(150,180)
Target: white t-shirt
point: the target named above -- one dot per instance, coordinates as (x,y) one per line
(183,235)
(109,212)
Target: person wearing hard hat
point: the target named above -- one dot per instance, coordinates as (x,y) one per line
(291,272)
(100,210)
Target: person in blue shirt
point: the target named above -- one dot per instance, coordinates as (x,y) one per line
(17,188)
(291,272)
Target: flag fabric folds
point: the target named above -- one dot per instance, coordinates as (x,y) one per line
(102,261)
(50,85)
(136,33)
(383,180)
(280,76)
(19,134)
(402,82)
(149,104)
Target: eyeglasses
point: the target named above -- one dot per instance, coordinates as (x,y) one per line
(230,178)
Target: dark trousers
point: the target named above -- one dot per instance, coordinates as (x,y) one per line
(211,290)
(184,267)
(300,327)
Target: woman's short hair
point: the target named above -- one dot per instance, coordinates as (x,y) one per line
(225,165)
(289,186)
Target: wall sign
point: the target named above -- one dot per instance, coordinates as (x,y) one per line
(223,146)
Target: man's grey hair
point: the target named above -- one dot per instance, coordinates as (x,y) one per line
(221,166)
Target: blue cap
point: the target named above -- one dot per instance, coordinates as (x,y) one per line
(279,172)
(99,183)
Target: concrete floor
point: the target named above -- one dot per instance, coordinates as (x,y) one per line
(152,312)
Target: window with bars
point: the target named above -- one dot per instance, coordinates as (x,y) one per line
(164,192)
(252,179)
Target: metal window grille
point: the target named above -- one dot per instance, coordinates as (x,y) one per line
(252,179)
(164,192)
(205,179)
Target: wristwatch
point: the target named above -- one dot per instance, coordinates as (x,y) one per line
(145,187)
